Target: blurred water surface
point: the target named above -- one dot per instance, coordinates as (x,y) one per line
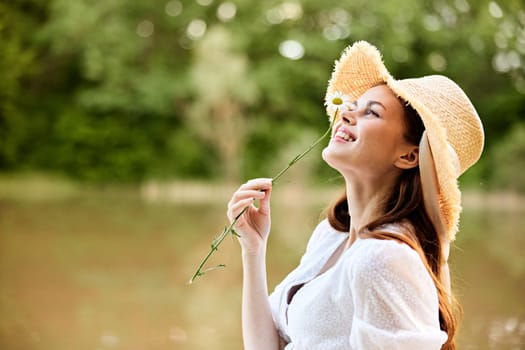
(110,271)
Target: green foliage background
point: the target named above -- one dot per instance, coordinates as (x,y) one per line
(124,91)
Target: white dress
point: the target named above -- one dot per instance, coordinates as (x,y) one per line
(377,296)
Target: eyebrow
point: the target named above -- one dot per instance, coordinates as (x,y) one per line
(372,102)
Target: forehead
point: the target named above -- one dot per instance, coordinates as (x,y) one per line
(381,93)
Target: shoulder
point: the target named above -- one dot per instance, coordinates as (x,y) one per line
(388,261)
(390,251)
(385,253)
(392,273)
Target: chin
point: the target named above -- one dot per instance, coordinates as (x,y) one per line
(331,158)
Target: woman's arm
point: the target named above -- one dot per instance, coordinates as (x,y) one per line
(259,331)
(253,226)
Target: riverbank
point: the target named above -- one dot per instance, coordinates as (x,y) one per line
(37,187)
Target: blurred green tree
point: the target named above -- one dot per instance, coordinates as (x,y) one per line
(222,91)
(18,63)
(508,158)
(120,91)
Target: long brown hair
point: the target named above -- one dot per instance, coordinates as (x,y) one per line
(406,203)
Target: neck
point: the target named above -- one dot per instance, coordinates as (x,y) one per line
(366,197)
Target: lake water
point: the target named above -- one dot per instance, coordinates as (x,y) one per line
(111,271)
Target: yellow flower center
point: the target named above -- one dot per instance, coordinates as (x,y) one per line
(337,101)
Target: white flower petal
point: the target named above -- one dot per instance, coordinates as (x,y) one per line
(337,102)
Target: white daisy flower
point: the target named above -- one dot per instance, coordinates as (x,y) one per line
(337,102)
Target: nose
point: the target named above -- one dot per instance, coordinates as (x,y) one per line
(348,117)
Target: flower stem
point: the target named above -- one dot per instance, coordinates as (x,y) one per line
(301,155)
(229,229)
(215,246)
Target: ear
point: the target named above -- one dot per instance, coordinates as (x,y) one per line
(409,159)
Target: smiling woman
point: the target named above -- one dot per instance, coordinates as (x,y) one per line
(370,134)
(375,272)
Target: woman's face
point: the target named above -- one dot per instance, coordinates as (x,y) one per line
(368,139)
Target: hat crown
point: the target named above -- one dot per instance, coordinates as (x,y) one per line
(452,110)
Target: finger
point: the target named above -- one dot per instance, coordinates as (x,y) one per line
(257,184)
(264,203)
(244,195)
(238,207)
(240,195)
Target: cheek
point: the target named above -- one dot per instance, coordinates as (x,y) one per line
(384,138)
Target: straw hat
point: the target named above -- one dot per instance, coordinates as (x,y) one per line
(453,138)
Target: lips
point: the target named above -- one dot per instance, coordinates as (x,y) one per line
(345,134)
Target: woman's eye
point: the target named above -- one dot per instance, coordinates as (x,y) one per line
(371,111)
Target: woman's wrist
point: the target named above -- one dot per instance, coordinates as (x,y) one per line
(254,252)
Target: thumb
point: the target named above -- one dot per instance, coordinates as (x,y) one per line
(264,203)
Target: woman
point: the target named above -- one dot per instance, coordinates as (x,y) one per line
(375,273)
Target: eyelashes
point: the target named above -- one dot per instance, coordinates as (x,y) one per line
(371,111)
(354,107)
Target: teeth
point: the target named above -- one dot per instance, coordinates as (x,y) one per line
(344,135)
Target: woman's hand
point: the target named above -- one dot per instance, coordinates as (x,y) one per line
(254,224)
